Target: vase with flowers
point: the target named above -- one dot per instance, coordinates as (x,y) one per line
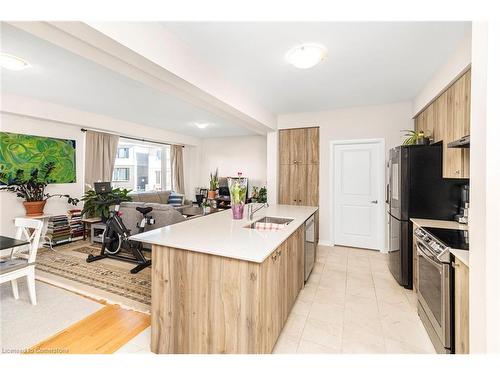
(238,191)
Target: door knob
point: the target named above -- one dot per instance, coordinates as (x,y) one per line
(375,202)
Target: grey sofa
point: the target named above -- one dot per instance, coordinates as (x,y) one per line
(162,213)
(160,197)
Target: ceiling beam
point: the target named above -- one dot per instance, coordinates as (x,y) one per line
(89,43)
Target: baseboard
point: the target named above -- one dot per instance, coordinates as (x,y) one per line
(325,243)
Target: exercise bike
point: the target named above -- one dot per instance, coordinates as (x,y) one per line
(116,238)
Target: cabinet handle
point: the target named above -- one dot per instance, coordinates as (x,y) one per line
(455,265)
(457,172)
(279,252)
(274,256)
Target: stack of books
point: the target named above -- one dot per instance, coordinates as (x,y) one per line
(75,224)
(58,231)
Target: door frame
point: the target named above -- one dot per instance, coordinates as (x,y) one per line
(381,193)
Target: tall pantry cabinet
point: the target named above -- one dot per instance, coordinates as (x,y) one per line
(299,168)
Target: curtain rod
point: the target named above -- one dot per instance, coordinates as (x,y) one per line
(128,137)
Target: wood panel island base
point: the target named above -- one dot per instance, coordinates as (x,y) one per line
(204,303)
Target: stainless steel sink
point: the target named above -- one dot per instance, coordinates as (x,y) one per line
(270,219)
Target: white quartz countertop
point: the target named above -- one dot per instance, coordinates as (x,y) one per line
(462,255)
(445,224)
(219,234)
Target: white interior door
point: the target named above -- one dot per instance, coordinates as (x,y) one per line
(358,205)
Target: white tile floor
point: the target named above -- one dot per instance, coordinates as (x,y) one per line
(350,304)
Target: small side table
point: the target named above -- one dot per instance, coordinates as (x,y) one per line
(87,225)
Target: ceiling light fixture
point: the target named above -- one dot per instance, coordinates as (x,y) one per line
(12,62)
(306,55)
(201,125)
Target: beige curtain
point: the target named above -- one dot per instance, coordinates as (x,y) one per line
(100,154)
(177,168)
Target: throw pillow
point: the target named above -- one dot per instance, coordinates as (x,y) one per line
(176,199)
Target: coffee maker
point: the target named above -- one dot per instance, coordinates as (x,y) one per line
(463,213)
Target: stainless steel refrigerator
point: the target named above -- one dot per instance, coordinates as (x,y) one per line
(416,189)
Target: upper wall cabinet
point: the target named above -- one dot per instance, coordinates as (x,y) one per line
(447,119)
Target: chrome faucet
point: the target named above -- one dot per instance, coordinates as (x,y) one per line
(251,211)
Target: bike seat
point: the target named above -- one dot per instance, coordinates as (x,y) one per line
(144,210)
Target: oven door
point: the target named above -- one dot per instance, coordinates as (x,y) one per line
(434,292)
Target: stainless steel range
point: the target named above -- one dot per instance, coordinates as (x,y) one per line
(435,287)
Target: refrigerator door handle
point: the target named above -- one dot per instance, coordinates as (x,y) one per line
(387,193)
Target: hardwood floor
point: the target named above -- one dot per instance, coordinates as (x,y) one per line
(103,332)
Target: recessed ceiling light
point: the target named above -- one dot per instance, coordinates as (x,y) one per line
(12,62)
(201,125)
(306,55)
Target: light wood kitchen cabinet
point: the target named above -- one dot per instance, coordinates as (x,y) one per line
(461,307)
(312,183)
(298,147)
(447,119)
(203,303)
(312,146)
(441,117)
(299,166)
(284,146)
(428,121)
(456,160)
(415,265)
(284,193)
(298,184)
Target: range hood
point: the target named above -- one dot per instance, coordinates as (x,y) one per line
(463,142)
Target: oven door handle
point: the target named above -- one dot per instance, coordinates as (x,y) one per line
(421,250)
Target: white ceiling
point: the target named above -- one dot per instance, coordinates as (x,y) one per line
(368,63)
(61,77)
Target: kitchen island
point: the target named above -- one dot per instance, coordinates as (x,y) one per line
(220,286)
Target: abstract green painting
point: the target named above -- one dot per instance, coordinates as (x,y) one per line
(21,151)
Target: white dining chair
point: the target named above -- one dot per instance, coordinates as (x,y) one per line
(22,264)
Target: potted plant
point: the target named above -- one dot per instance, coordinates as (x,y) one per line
(255,194)
(32,188)
(205,206)
(238,192)
(92,206)
(214,184)
(415,137)
(262,198)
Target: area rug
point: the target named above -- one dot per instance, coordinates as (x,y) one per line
(108,280)
(23,325)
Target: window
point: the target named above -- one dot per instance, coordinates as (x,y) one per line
(122,153)
(121,174)
(147,165)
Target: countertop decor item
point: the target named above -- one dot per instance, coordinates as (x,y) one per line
(32,188)
(238,191)
(262,198)
(255,194)
(214,184)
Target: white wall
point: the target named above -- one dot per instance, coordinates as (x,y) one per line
(11,206)
(456,64)
(484,222)
(247,154)
(26,115)
(383,121)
